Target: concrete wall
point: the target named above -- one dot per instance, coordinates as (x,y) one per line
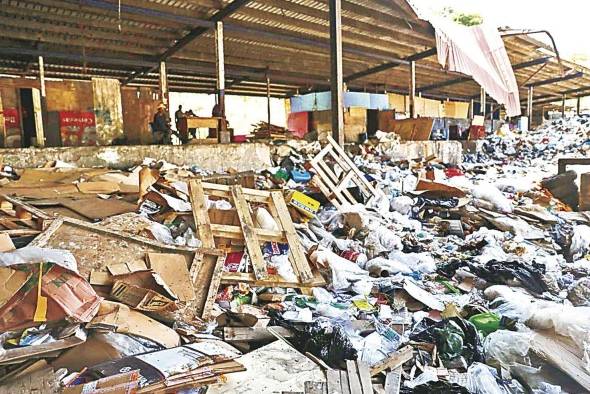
(241,157)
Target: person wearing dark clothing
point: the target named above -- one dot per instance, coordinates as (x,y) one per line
(161,127)
(178,115)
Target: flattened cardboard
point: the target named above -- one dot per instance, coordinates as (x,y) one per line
(127,268)
(18,355)
(140,298)
(124,383)
(98,187)
(423,296)
(11,281)
(173,270)
(6,244)
(120,318)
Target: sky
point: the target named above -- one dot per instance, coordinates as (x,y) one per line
(567,20)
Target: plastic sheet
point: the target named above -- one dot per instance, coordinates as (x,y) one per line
(35,255)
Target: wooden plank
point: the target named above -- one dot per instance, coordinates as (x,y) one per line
(353,377)
(206,271)
(200,215)
(315,387)
(252,241)
(563,354)
(393,361)
(393,381)
(301,266)
(334,384)
(271,281)
(365,377)
(238,334)
(235,232)
(344,384)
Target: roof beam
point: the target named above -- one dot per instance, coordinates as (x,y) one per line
(390,65)
(550,81)
(191,36)
(519,66)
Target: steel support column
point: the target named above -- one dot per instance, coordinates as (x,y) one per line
(163,84)
(220,67)
(471,111)
(412,89)
(482,100)
(268,95)
(336,76)
(529,106)
(563,98)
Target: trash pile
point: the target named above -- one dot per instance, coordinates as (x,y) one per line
(334,271)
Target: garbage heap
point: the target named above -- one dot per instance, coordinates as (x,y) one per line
(334,271)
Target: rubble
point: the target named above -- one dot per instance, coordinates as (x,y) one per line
(336,270)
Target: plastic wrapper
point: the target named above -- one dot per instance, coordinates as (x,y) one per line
(490,193)
(482,379)
(417,262)
(381,266)
(35,255)
(265,220)
(344,272)
(402,204)
(426,377)
(507,348)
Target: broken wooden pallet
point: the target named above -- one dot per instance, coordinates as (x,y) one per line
(244,201)
(355,380)
(18,219)
(335,173)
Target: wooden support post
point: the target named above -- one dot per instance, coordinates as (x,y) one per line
(529,106)
(563,98)
(268,96)
(42,76)
(220,63)
(412,89)
(471,111)
(43,101)
(579,106)
(164,86)
(336,76)
(482,100)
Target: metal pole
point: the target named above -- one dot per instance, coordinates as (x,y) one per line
(563,106)
(268,95)
(471,112)
(164,85)
(412,89)
(482,100)
(529,107)
(220,68)
(336,76)
(579,106)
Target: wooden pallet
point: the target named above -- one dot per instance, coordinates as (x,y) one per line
(335,172)
(355,380)
(18,219)
(252,236)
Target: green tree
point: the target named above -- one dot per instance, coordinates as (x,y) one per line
(462,18)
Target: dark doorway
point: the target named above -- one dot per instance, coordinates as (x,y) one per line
(27,112)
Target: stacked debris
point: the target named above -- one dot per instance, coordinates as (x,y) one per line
(334,271)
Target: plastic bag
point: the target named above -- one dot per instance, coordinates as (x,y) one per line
(35,255)
(344,272)
(490,193)
(265,220)
(580,241)
(507,348)
(402,204)
(481,379)
(383,267)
